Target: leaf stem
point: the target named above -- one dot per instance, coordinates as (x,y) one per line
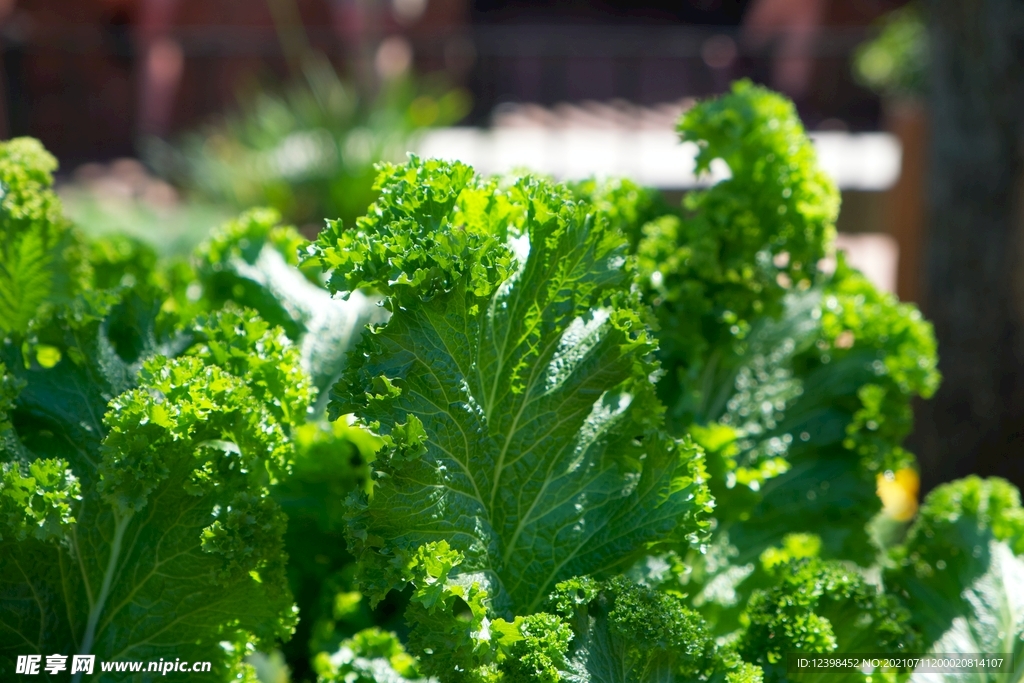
(120,526)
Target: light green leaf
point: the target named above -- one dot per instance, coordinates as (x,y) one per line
(40,256)
(370,656)
(252,261)
(961,574)
(992,624)
(740,246)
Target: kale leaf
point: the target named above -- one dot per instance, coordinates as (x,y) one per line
(512,388)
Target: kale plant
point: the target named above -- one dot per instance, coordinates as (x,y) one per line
(496,430)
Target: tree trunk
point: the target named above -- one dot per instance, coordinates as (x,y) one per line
(973,260)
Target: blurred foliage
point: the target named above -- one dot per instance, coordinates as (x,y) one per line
(332,460)
(309,150)
(895,64)
(172,230)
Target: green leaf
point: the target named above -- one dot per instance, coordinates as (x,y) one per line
(119,260)
(156,537)
(627,206)
(993,623)
(740,246)
(331,460)
(370,656)
(808,375)
(822,607)
(59,410)
(796,382)
(633,634)
(950,568)
(253,262)
(511,386)
(522,426)
(36,500)
(813,412)
(40,256)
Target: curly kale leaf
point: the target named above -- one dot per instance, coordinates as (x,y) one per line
(409,242)
(813,462)
(593,631)
(627,632)
(134,511)
(41,259)
(122,261)
(796,381)
(812,417)
(370,656)
(73,357)
(253,261)
(756,239)
(741,245)
(992,623)
(754,358)
(822,607)
(627,206)
(961,572)
(815,455)
(511,386)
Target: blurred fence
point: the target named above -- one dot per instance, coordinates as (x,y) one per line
(75,85)
(642,64)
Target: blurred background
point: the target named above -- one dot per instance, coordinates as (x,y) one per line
(169,115)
